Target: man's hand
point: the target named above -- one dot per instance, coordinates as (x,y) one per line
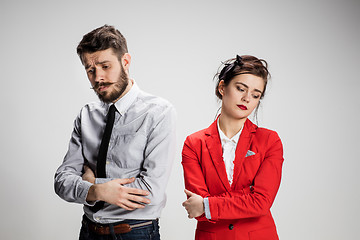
(114,192)
(88,175)
(194,205)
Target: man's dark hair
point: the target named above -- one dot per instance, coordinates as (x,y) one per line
(102,38)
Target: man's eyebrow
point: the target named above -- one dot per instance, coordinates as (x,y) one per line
(105,61)
(87,66)
(256,90)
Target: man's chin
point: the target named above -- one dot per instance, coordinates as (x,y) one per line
(108,98)
(103,98)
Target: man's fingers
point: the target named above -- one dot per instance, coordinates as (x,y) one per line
(138,199)
(128,205)
(129,190)
(87,169)
(136,191)
(125,180)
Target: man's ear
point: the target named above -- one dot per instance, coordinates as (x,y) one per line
(126,61)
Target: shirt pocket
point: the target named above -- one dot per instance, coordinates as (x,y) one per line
(128,149)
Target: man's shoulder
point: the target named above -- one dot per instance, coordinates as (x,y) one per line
(92,108)
(154,103)
(94,105)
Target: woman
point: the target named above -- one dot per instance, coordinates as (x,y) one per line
(232,169)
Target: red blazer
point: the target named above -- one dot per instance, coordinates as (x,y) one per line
(242,210)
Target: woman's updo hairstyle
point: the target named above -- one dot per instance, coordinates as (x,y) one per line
(244,64)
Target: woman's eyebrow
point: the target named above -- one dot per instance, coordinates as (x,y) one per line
(256,90)
(242,84)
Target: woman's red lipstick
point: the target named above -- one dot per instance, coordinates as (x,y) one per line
(242,107)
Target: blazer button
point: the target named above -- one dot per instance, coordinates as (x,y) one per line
(231,227)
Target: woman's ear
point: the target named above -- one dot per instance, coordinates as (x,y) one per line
(221,87)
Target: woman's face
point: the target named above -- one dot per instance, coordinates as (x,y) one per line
(241,96)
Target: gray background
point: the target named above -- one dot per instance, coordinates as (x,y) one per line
(312,102)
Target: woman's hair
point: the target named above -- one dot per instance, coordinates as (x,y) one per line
(244,64)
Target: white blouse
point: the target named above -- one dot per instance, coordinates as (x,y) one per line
(228,146)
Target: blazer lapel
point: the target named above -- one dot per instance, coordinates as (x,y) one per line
(242,147)
(213,145)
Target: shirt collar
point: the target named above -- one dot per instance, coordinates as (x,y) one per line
(225,139)
(123,104)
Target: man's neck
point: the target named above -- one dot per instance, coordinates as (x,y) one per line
(127,89)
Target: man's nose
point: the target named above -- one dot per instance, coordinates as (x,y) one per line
(99,75)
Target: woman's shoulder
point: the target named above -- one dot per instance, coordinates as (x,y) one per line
(198,135)
(262,130)
(267,136)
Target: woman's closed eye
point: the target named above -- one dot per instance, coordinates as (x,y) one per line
(240,89)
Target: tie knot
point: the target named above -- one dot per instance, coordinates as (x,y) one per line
(112,110)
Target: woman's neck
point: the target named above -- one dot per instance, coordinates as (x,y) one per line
(230,126)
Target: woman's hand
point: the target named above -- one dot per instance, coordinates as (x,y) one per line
(194,205)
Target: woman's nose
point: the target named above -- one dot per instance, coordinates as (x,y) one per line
(246,97)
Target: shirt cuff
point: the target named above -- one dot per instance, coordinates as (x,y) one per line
(207,208)
(85,192)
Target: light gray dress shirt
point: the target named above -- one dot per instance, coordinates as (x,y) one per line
(142,145)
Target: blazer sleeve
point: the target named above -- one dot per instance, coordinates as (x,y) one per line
(193,176)
(259,199)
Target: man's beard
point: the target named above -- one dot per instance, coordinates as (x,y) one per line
(117,89)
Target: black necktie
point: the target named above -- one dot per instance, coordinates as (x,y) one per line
(101,161)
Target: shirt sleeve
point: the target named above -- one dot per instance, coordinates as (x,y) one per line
(68,182)
(207,208)
(158,156)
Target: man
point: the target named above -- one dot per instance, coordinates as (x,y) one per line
(121,149)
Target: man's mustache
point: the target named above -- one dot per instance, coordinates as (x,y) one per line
(101,84)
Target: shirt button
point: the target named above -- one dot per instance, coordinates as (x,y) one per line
(231,227)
